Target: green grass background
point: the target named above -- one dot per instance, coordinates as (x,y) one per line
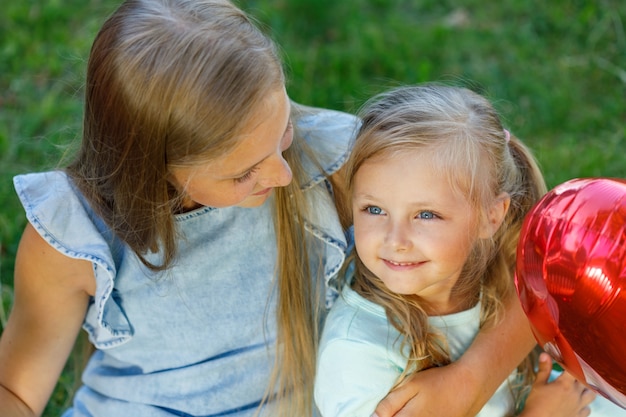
(556,70)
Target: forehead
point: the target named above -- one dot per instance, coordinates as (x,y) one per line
(259,137)
(412,175)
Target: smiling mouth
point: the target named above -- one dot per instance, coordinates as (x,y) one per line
(402,265)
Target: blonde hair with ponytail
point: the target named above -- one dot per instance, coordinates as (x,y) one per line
(471,149)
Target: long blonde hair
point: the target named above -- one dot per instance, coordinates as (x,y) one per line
(470,148)
(171,83)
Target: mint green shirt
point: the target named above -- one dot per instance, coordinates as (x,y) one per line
(359,360)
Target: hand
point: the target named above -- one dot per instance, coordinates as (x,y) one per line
(563,397)
(423,393)
(465,385)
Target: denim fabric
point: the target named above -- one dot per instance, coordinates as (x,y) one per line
(197,339)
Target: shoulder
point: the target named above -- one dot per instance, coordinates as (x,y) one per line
(357,365)
(353,318)
(324,124)
(48,199)
(329,133)
(62,217)
(38,258)
(36,187)
(49,195)
(63,220)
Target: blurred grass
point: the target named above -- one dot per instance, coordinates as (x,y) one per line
(555,70)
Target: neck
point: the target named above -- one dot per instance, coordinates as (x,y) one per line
(453,303)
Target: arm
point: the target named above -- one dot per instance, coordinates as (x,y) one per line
(466,385)
(51,297)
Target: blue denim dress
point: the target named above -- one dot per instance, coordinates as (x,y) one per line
(197,339)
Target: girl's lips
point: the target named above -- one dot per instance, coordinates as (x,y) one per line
(402,266)
(263,192)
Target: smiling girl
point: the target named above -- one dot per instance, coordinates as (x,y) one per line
(439,190)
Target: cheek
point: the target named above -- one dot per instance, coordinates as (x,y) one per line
(365,233)
(215,195)
(359,227)
(455,248)
(234,195)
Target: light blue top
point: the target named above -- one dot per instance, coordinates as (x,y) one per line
(197,339)
(359,359)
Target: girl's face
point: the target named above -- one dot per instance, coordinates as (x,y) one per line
(245,176)
(411,229)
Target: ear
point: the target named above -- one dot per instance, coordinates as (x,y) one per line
(495,216)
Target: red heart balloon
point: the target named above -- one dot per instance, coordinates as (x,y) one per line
(571,280)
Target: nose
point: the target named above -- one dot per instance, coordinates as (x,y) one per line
(276,172)
(398,236)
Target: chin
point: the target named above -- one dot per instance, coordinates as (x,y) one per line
(254,201)
(400,288)
(402,291)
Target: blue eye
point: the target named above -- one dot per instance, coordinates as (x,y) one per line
(426,215)
(373,210)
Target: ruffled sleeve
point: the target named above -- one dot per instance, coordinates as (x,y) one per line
(329,134)
(58,213)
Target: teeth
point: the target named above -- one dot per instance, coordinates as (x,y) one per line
(401,263)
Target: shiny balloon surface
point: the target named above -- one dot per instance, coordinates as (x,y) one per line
(571,280)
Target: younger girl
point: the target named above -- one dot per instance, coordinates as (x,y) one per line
(439,190)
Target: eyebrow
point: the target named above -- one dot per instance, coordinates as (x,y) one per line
(363,196)
(368,198)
